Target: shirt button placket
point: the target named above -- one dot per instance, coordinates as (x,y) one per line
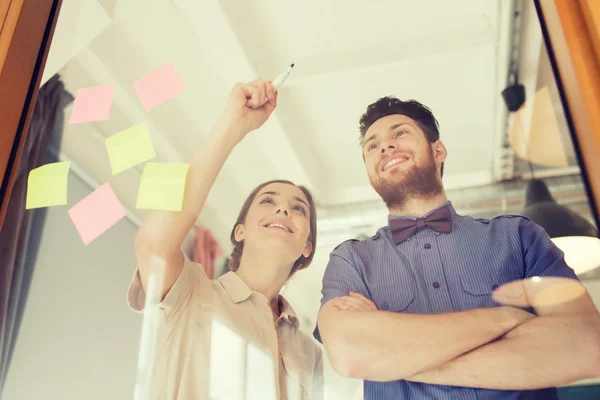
(438,292)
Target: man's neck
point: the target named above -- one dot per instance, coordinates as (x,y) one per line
(417,207)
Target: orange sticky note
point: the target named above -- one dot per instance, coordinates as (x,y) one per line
(47,185)
(96,213)
(158,86)
(92,104)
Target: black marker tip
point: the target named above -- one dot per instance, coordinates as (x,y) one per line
(292,66)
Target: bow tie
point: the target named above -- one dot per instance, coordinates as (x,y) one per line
(440,220)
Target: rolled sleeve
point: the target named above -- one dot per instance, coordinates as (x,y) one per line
(542,257)
(191,278)
(342,276)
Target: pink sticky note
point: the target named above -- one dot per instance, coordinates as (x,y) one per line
(97,212)
(92,104)
(158,86)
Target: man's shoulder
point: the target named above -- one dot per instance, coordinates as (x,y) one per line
(346,244)
(504,218)
(360,242)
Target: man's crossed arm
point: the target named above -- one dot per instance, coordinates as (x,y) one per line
(387,346)
(560,346)
(500,348)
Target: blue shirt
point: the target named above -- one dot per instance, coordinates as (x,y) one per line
(435,272)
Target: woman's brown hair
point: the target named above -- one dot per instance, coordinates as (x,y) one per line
(238,247)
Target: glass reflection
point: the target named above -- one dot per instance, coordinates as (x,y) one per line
(454,58)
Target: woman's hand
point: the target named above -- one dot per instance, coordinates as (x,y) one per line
(354,302)
(249,106)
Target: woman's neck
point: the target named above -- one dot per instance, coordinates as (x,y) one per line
(264,276)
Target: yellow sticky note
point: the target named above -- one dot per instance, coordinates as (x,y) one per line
(162,186)
(130,147)
(47,185)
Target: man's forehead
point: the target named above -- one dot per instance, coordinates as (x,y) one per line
(387,123)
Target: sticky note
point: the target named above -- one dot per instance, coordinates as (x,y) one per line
(158,86)
(92,104)
(130,147)
(96,213)
(47,185)
(162,186)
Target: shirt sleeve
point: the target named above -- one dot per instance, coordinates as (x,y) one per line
(191,281)
(342,276)
(541,256)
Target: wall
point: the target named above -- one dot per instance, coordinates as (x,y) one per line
(78,339)
(593,287)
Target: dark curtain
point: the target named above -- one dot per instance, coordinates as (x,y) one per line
(22,229)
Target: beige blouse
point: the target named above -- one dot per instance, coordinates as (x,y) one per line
(215,339)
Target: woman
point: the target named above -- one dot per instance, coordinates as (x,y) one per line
(234,336)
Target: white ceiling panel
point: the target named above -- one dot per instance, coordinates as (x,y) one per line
(279,31)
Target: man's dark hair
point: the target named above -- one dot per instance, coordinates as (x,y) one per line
(390,105)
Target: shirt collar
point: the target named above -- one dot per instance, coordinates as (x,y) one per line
(235,287)
(448,204)
(287,312)
(239,291)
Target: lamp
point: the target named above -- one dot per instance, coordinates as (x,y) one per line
(514,96)
(571,233)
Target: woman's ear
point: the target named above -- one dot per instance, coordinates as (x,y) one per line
(307,249)
(239,234)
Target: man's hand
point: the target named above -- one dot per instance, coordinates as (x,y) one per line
(357,302)
(249,106)
(354,302)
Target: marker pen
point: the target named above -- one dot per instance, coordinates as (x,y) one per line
(279,79)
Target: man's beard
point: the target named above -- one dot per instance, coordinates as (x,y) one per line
(419,182)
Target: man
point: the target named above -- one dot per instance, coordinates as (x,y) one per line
(412,310)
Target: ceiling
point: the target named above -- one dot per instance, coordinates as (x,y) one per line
(347,55)
(452,56)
